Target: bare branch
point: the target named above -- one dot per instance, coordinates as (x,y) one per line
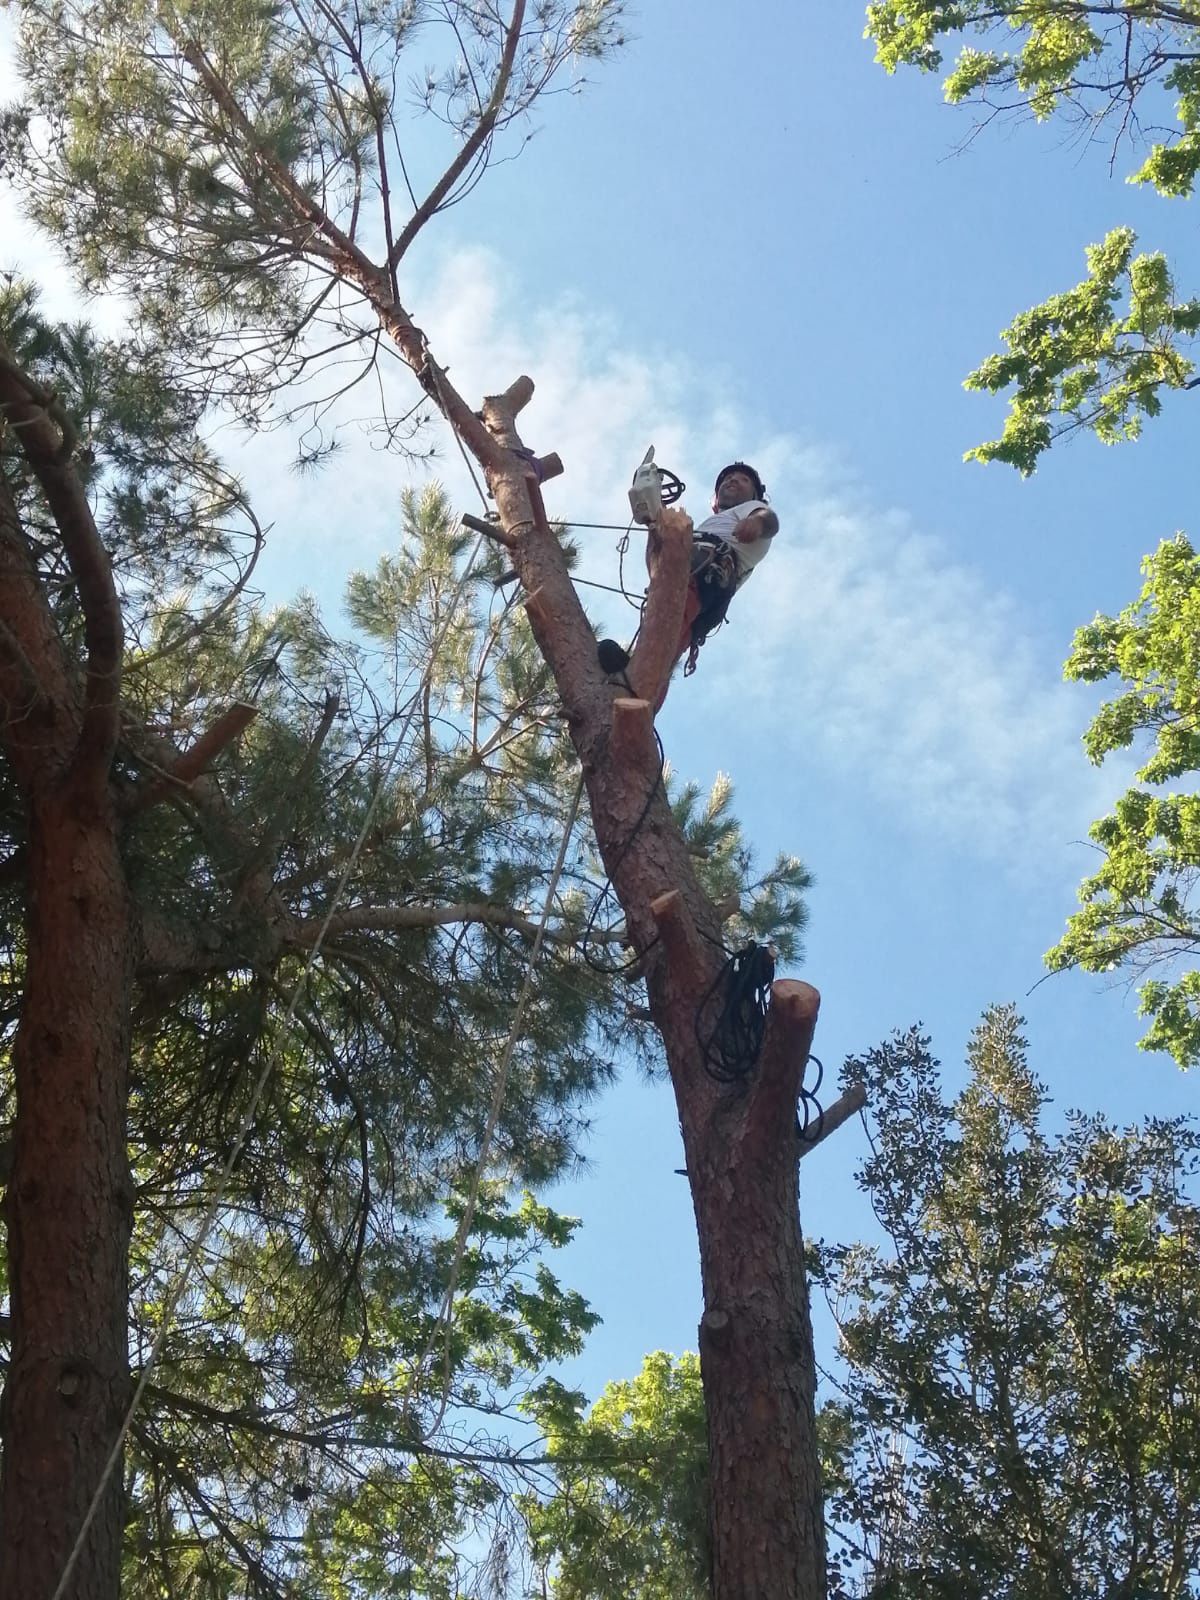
(481,132)
(842,1109)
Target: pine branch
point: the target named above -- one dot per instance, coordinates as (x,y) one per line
(46,440)
(479,135)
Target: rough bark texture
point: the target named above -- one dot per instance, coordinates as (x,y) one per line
(68,1204)
(68,1210)
(756,1351)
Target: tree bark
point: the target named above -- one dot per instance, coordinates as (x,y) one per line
(740,1140)
(756,1348)
(68,1209)
(68,1203)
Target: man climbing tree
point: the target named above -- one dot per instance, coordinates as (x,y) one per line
(246,214)
(726,547)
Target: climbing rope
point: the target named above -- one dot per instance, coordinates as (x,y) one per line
(810,1113)
(731,1043)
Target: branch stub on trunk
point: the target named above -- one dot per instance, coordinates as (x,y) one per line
(633,734)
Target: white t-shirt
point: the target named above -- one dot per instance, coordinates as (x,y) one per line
(721,525)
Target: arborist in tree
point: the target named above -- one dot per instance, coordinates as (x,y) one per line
(726,548)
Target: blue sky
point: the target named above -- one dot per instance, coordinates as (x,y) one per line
(746,240)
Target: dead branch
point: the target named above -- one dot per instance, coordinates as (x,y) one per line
(842,1109)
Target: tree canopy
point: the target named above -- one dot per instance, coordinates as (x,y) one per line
(1021,1412)
(331,1412)
(1102,354)
(1013,1412)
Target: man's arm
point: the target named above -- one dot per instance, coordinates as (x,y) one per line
(759,524)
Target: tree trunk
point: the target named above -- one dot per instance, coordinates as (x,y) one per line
(767,1515)
(740,1139)
(68,1208)
(756,1359)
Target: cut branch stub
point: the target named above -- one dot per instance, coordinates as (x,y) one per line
(842,1109)
(680,939)
(515,398)
(633,734)
(791,1023)
(200,756)
(499,412)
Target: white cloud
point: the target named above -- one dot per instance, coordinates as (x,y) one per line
(910,674)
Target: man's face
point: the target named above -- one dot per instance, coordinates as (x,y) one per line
(735,487)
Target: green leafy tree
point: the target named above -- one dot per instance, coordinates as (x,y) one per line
(628,1515)
(330,1413)
(1138,913)
(1021,1409)
(1101,355)
(1014,1409)
(251,178)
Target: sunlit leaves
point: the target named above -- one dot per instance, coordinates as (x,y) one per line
(1102,355)
(1139,911)
(628,1517)
(1096,357)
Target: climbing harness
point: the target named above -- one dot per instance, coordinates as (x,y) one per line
(715,572)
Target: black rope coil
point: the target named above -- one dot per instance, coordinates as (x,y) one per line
(731,1042)
(810,1113)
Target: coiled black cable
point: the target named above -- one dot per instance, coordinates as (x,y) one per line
(731,1043)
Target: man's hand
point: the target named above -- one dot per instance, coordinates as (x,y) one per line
(758,525)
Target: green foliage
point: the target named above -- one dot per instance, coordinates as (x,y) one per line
(1138,910)
(628,1517)
(1016,1411)
(1080,361)
(221,163)
(1101,355)
(321,1425)
(1020,1408)
(770,906)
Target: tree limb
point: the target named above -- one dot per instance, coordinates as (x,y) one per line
(843,1108)
(668,556)
(471,146)
(45,442)
(385,919)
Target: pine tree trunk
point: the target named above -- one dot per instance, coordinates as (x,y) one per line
(742,1152)
(68,1208)
(756,1356)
